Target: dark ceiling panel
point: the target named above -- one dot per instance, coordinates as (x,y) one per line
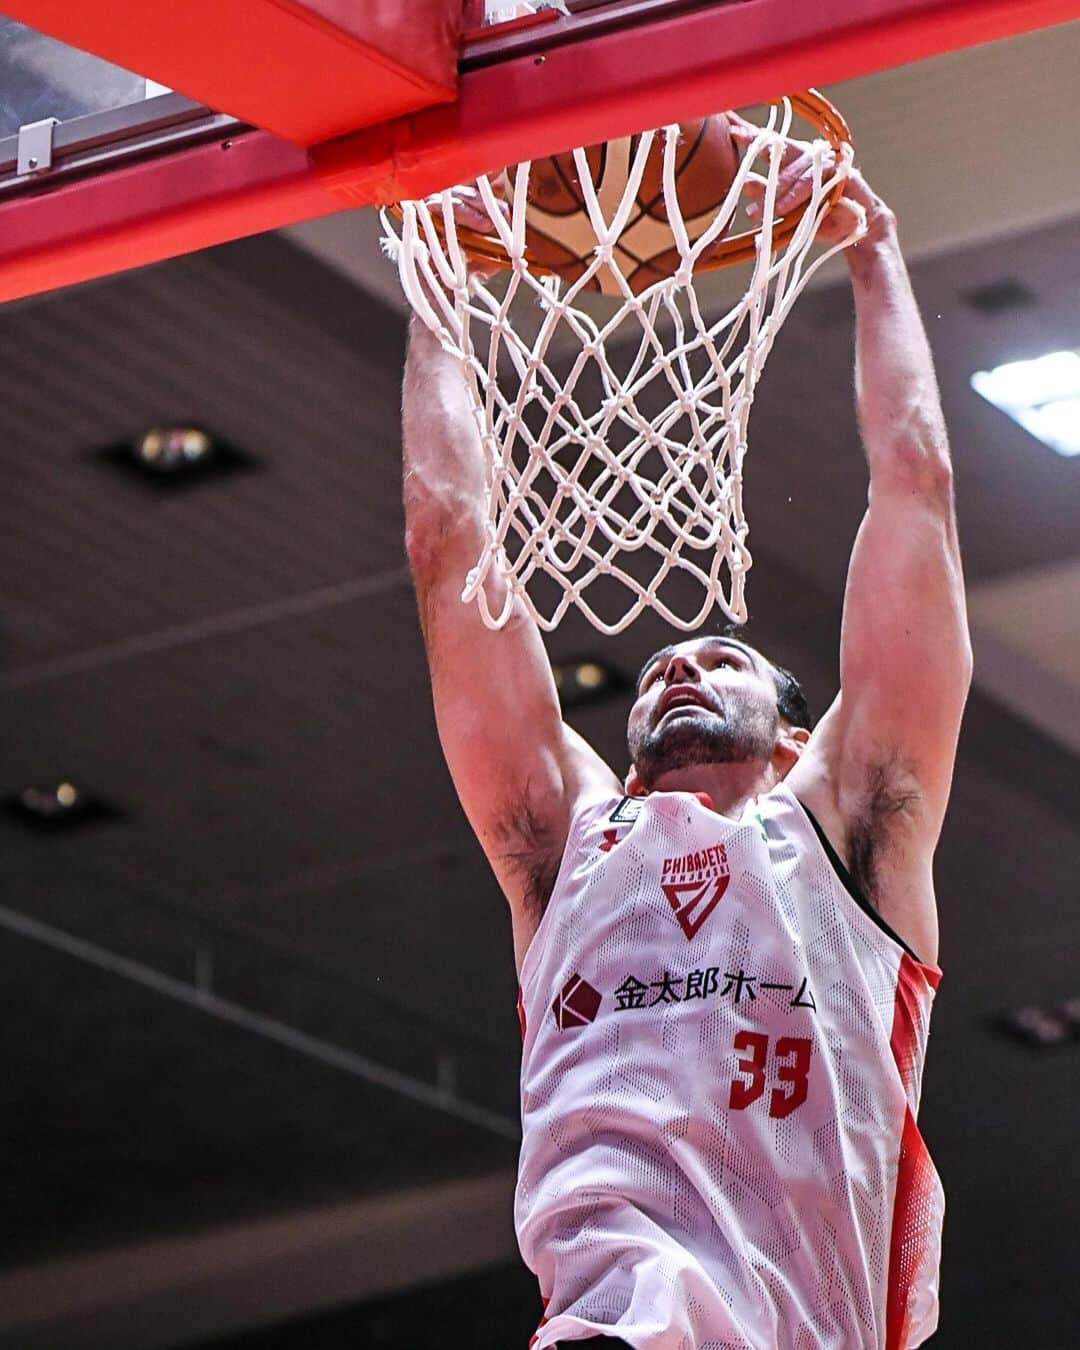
(128,1117)
(237,666)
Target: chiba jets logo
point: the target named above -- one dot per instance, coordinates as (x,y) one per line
(576,1004)
(694,885)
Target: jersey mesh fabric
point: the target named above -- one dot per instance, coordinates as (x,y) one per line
(720,1071)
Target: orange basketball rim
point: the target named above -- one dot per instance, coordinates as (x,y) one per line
(810,104)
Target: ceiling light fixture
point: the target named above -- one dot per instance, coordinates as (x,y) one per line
(173,456)
(1043,1028)
(58,804)
(172,449)
(587,681)
(998,297)
(1042,396)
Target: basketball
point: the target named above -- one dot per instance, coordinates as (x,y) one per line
(560,237)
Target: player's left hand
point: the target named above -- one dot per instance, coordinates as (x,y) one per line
(852,215)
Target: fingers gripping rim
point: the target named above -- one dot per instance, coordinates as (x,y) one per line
(810,104)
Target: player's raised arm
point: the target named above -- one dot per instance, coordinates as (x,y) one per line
(517,768)
(879,769)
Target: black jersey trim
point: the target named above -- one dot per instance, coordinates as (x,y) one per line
(852,886)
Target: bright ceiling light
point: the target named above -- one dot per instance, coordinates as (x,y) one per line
(56,804)
(172,449)
(587,681)
(1042,395)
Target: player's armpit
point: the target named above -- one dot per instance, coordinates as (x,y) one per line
(878,769)
(518,769)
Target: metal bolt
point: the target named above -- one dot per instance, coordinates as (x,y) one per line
(32,162)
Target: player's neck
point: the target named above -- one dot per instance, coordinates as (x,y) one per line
(728,786)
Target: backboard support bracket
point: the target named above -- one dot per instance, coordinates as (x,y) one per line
(35,146)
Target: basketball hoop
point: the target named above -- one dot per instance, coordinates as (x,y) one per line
(614,444)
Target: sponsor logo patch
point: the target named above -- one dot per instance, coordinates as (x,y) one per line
(576,1004)
(627,811)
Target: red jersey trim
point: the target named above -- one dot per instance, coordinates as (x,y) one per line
(912,1215)
(910,1230)
(541,1324)
(911,981)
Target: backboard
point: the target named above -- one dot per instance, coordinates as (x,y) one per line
(399,106)
(40,77)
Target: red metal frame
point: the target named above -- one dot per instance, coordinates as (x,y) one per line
(665,68)
(303,69)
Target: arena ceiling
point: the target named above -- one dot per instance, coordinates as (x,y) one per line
(259,1019)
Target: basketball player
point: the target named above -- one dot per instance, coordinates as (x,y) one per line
(726,961)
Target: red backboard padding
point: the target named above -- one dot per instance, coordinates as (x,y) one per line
(660,67)
(155,209)
(657,68)
(306,72)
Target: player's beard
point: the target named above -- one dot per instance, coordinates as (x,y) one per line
(739,730)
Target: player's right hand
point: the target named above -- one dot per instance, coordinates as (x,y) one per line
(471,214)
(470,211)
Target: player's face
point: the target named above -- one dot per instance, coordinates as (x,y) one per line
(705,701)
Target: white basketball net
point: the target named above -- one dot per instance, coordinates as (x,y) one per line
(622,469)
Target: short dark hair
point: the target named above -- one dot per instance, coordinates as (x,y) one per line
(791,702)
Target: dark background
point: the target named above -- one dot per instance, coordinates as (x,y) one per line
(261,1048)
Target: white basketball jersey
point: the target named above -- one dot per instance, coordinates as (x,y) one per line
(720,1078)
